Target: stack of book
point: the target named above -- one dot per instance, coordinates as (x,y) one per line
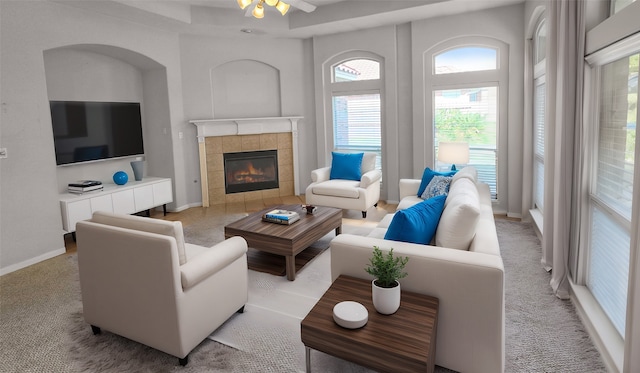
(83,186)
(285,217)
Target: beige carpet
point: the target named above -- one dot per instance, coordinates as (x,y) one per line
(42,330)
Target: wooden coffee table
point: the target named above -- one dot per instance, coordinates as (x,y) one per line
(402,342)
(286,240)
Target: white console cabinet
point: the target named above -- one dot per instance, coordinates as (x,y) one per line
(134,196)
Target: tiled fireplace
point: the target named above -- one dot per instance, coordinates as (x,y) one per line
(246,147)
(249,171)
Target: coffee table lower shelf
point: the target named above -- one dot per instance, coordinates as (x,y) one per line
(402,342)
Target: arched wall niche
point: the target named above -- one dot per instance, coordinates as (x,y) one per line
(245,89)
(95,72)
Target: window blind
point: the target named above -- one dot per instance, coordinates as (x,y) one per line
(611,196)
(356,120)
(470,115)
(538,145)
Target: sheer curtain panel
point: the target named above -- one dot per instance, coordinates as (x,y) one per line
(565,68)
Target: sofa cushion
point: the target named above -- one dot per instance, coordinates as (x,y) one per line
(337,188)
(468,172)
(346,166)
(163,227)
(368,162)
(408,201)
(427,175)
(461,213)
(438,186)
(418,223)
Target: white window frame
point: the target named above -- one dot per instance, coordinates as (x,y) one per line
(601,329)
(358,87)
(539,77)
(498,78)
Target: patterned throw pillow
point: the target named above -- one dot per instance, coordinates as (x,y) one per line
(427,175)
(438,186)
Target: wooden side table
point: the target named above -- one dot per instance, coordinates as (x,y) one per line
(402,342)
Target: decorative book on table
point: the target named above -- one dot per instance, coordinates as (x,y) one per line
(85,183)
(281,216)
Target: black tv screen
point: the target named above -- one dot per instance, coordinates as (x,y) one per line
(86,131)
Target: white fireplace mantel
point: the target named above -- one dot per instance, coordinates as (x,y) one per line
(244,126)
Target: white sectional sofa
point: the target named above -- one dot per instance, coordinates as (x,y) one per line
(469,283)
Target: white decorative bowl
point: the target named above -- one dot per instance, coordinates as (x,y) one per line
(350,314)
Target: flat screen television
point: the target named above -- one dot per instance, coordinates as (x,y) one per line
(86,131)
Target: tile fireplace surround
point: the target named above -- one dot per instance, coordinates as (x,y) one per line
(219,136)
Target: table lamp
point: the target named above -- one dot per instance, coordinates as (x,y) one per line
(453,152)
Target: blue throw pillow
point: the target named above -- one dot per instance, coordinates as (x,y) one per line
(427,175)
(418,223)
(346,166)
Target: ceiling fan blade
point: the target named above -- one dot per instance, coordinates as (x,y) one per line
(302,5)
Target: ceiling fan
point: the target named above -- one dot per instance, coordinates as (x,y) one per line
(283,7)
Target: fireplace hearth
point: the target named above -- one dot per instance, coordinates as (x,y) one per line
(250,171)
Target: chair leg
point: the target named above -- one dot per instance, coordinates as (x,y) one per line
(364,214)
(184,361)
(95,330)
(241,310)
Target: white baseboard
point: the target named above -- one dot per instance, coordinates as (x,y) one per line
(514,215)
(32,261)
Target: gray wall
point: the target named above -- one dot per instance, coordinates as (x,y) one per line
(172,75)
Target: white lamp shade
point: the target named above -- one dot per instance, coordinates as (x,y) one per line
(244,3)
(453,152)
(258,11)
(282,7)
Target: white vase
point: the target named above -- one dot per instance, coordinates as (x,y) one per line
(385,300)
(138,169)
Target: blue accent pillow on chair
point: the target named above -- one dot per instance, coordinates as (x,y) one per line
(427,175)
(346,166)
(418,223)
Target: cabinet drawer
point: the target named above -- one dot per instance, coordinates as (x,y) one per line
(123,202)
(143,197)
(102,203)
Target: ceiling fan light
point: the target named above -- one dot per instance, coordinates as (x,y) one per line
(244,3)
(282,7)
(271,2)
(258,11)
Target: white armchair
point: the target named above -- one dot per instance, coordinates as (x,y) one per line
(140,280)
(346,194)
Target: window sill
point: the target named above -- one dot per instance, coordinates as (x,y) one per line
(536,215)
(602,332)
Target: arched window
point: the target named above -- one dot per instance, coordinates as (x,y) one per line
(539,109)
(465,59)
(467,78)
(356,69)
(355,94)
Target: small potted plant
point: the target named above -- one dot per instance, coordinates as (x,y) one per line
(385,288)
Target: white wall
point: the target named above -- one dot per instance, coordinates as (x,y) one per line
(176,87)
(506,25)
(383,42)
(77,75)
(203,57)
(30,221)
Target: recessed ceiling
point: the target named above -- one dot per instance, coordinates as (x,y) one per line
(225,18)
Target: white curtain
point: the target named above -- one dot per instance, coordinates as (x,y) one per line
(563,136)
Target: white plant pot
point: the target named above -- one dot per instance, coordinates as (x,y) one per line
(385,300)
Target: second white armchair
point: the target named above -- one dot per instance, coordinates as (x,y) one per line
(349,194)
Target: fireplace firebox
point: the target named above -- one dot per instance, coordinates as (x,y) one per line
(250,171)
